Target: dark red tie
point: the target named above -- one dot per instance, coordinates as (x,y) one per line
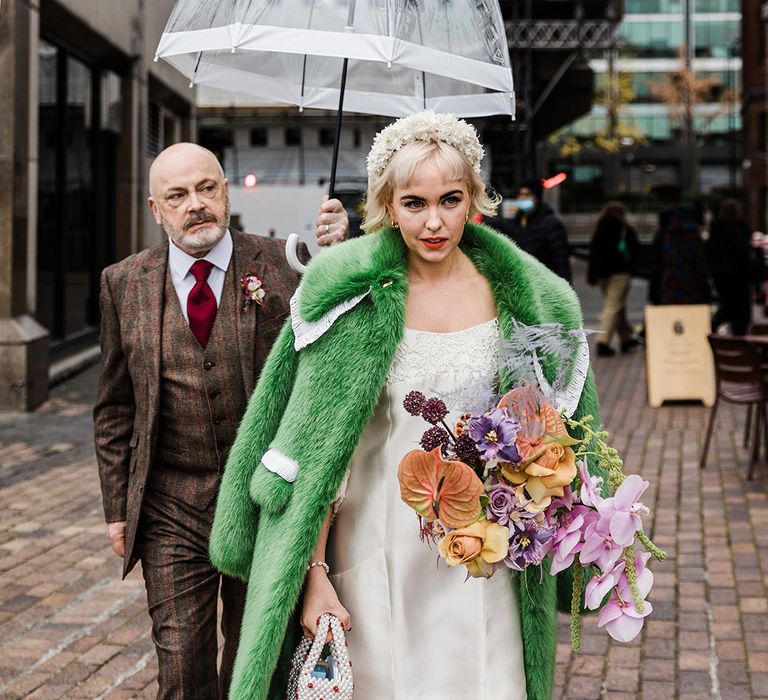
(201,303)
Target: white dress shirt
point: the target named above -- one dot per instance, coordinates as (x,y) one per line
(181,264)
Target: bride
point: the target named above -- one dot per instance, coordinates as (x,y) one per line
(310,500)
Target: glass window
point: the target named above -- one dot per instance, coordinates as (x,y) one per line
(718,6)
(645,39)
(655,127)
(66,199)
(79,195)
(79,126)
(259,137)
(586,172)
(153,129)
(722,122)
(48,272)
(636,7)
(327,137)
(716,39)
(292,136)
(111,102)
(723,83)
(643,84)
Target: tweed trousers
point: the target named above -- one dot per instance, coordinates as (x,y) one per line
(182,594)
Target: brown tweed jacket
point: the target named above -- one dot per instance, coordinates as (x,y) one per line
(127,407)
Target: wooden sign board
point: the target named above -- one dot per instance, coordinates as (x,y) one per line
(678,359)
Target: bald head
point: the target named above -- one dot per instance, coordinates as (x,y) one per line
(180,158)
(189,197)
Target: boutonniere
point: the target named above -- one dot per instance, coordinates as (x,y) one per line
(253,291)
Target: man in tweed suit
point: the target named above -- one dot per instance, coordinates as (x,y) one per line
(181,351)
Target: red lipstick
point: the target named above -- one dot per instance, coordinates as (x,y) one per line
(434,243)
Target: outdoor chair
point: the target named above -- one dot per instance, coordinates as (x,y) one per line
(739,379)
(756,329)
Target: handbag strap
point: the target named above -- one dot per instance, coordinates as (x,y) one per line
(339,646)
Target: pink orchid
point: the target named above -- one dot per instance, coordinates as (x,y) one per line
(620,616)
(623,510)
(566,544)
(591,494)
(644,575)
(599,586)
(599,546)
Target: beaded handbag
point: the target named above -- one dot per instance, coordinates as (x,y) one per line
(302,685)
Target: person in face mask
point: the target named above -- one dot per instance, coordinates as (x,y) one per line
(537,230)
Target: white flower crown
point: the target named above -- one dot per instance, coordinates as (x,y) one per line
(429,127)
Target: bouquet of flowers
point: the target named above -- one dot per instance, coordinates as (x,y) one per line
(510,487)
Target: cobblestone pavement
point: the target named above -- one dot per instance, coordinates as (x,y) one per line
(70,628)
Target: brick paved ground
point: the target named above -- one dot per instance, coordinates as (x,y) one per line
(69,628)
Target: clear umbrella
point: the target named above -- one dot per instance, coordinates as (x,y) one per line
(403,55)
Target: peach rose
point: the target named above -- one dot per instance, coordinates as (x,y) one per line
(478,546)
(555,465)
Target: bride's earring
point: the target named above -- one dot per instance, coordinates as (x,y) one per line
(395,224)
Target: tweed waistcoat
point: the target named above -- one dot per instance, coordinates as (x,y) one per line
(202,399)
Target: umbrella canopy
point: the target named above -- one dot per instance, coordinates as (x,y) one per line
(403,55)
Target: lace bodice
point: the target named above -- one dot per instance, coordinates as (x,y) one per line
(473,351)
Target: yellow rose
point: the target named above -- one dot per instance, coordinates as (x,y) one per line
(478,546)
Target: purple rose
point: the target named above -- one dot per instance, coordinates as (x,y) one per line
(503,502)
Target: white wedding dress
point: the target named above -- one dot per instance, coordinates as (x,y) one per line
(419,630)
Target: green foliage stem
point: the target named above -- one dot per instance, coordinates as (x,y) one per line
(631,572)
(578,580)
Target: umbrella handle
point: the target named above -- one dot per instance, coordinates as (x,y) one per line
(291,246)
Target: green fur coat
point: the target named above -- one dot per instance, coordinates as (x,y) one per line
(310,407)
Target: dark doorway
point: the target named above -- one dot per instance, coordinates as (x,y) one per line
(79,129)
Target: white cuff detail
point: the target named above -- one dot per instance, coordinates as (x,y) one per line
(307,332)
(281,464)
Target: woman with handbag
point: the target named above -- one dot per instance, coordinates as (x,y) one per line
(309,500)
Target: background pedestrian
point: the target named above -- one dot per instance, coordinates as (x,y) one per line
(613,255)
(733,266)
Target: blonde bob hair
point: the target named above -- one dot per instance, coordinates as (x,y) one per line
(399,174)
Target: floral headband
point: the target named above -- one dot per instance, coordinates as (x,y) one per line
(429,127)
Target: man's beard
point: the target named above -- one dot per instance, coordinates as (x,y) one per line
(198,241)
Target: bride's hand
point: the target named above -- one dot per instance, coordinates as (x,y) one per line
(320,597)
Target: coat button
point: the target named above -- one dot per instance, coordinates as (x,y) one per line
(213,393)
(208,365)
(218,420)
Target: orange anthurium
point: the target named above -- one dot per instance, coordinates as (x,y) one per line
(436,488)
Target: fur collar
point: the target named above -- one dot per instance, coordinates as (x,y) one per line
(339,274)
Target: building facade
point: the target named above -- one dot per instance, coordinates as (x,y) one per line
(755,111)
(668,125)
(84,110)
